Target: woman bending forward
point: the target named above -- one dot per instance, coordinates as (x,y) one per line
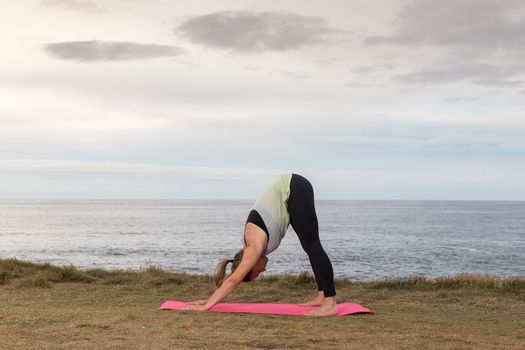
(289,200)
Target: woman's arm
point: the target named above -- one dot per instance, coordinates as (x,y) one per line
(251,255)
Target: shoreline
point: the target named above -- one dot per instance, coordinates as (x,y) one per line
(34,273)
(63,263)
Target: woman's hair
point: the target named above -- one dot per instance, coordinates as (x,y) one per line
(220,270)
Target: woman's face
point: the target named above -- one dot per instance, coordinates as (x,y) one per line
(259,267)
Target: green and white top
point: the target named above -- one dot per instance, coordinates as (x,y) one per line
(272,207)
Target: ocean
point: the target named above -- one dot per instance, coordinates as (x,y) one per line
(365,240)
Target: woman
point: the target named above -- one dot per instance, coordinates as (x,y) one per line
(289,200)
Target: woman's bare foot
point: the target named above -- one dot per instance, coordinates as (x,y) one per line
(327,308)
(317,301)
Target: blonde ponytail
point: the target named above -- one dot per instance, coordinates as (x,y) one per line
(220,269)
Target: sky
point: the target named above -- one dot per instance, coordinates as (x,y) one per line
(158,99)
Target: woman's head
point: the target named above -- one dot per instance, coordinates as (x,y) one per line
(220,270)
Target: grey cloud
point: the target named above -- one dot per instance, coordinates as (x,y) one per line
(74,5)
(458,99)
(357,84)
(483,41)
(374,68)
(255,31)
(100,51)
(433,136)
(354,84)
(293,75)
(325,63)
(479,73)
(475,24)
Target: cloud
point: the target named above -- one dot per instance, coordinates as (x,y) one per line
(293,75)
(377,68)
(74,5)
(243,31)
(476,24)
(100,51)
(478,41)
(88,179)
(457,99)
(503,75)
(419,136)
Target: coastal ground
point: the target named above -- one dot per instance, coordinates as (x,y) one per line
(48,307)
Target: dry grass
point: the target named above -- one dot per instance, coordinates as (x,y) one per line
(50,307)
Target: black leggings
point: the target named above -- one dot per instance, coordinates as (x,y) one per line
(303,219)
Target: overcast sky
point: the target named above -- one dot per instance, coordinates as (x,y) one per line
(369,99)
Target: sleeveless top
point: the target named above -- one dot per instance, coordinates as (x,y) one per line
(272,207)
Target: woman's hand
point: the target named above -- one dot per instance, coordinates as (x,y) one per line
(251,256)
(199,308)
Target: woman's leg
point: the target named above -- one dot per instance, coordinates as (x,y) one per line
(303,219)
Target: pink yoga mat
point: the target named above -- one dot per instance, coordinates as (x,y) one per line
(270,309)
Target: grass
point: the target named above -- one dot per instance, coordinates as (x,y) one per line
(50,307)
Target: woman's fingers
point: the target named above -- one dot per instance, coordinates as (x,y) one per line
(197,302)
(198,308)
